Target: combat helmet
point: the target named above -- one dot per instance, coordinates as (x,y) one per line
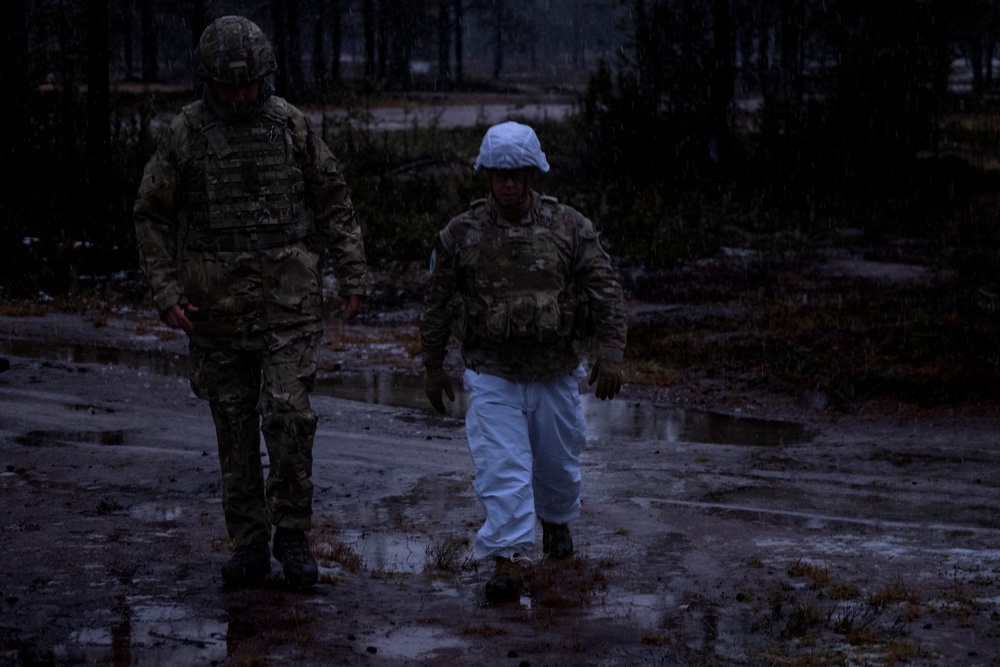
(511,145)
(234,50)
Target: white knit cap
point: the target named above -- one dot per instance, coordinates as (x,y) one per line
(511,145)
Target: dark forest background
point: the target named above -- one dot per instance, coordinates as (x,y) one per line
(775,125)
(763,112)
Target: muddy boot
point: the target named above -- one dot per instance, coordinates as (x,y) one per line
(247,565)
(292,551)
(557,543)
(506,583)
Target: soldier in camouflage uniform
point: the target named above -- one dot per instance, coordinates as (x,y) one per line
(521,280)
(234,214)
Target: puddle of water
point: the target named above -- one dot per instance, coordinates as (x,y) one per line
(605,419)
(388,552)
(644,421)
(383,388)
(157,513)
(115,438)
(410,642)
(159,635)
(641,610)
(161,363)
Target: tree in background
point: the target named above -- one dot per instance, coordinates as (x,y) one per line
(459,26)
(850,89)
(444,32)
(663,115)
(851,93)
(98,144)
(18,145)
(976,31)
(149,42)
(287,40)
(853,96)
(509,26)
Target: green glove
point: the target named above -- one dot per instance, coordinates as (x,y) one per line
(437,382)
(608,377)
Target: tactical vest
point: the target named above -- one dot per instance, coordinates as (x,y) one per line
(520,289)
(244,189)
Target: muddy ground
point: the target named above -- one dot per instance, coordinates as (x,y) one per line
(717,530)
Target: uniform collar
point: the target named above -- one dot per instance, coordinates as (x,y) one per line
(534,210)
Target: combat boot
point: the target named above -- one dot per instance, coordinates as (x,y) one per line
(292,551)
(557,543)
(248,564)
(506,583)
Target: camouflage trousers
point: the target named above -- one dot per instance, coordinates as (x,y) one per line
(261,391)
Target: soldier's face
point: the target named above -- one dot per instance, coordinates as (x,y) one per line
(238,99)
(510,187)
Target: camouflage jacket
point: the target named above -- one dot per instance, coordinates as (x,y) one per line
(522,297)
(235,218)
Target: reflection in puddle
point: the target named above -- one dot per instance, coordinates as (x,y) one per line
(700,621)
(388,552)
(411,642)
(154,512)
(644,421)
(605,419)
(160,634)
(384,388)
(161,363)
(113,438)
(634,609)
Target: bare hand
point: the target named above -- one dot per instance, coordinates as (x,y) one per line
(176,317)
(351,308)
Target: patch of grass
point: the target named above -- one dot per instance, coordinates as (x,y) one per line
(843,591)
(903,652)
(839,622)
(857,624)
(484,630)
(654,639)
(330,579)
(896,591)
(221,544)
(338,553)
(802,619)
(775,659)
(22,308)
(383,573)
(106,507)
(566,583)
(785,328)
(450,554)
(817,577)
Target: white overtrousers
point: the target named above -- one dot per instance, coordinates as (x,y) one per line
(525,439)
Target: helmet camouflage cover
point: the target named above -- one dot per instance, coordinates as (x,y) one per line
(234,50)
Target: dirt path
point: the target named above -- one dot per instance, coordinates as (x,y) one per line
(873,538)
